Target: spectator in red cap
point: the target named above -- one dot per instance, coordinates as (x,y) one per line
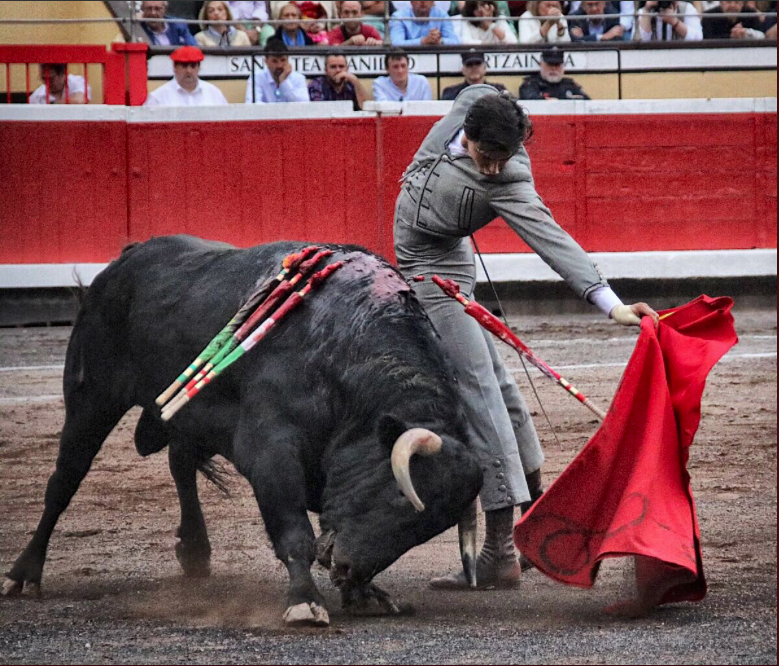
(186,88)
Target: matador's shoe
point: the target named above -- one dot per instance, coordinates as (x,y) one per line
(497,566)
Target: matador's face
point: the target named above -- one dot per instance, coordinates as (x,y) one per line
(488,163)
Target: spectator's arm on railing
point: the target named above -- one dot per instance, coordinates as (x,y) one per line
(448,35)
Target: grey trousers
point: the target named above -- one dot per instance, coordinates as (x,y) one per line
(499,423)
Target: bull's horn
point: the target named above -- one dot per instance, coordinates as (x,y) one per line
(417,440)
(467,530)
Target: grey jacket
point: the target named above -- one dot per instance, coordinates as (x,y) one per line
(444,198)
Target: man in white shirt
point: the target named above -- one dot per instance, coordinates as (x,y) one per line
(400,85)
(63,88)
(277,82)
(186,88)
(669,20)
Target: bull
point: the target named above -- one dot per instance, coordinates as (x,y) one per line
(326,414)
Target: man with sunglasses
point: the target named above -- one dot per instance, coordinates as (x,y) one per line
(474,71)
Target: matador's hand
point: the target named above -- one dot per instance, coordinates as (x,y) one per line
(630,315)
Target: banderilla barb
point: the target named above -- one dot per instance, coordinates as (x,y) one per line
(284,309)
(504,333)
(278,295)
(289,265)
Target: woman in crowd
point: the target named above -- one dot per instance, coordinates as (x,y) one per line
(481,25)
(543,22)
(219,34)
(292,34)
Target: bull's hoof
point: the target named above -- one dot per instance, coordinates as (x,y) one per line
(371,600)
(14,588)
(194,559)
(311,614)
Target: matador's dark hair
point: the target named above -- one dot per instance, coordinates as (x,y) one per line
(498,123)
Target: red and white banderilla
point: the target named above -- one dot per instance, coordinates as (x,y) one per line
(503,332)
(251,340)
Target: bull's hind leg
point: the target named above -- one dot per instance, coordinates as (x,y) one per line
(273,467)
(88,422)
(193,549)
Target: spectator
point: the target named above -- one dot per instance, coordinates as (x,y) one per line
(716,26)
(277,82)
(292,34)
(352,32)
(474,71)
(550,81)
(159,33)
(276,7)
(543,22)
(480,25)
(254,14)
(338,83)
(430,31)
(313,23)
(586,29)
(458,7)
(439,5)
(216,34)
(186,88)
(63,88)
(667,20)
(768,23)
(625,8)
(400,85)
(374,14)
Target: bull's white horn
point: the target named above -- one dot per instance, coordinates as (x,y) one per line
(467,532)
(417,440)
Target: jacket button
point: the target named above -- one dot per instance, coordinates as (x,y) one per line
(497,463)
(502,488)
(500,475)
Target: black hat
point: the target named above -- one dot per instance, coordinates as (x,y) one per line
(472,56)
(553,56)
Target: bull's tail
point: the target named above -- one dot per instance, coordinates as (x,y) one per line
(215,472)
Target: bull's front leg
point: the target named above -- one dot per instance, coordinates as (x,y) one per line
(272,465)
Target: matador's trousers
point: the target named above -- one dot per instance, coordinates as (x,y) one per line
(499,422)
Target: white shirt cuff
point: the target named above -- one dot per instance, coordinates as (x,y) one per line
(604,299)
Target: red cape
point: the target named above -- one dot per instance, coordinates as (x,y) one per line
(628,491)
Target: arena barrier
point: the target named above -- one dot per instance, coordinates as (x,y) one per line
(660,178)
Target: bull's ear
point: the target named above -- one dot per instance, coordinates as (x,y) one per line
(389,429)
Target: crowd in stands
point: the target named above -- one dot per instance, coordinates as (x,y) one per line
(470,22)
(549,23)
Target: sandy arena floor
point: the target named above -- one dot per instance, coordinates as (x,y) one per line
(113,590)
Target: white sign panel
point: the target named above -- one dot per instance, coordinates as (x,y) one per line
(372,64)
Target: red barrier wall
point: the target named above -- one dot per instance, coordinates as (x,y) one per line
(77,191)
(63,196)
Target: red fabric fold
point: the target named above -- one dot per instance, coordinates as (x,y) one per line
(628,491)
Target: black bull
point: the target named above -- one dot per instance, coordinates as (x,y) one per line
(310,416)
